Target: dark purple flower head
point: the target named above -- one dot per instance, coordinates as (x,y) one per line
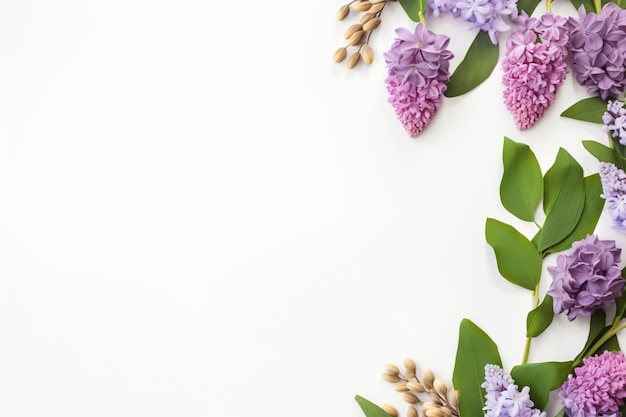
(598,51)
(419,68)
(598,387)
(587,279)
(534,67)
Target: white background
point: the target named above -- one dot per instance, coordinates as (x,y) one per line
(202,215)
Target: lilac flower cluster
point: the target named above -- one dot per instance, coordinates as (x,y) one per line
(533,70)
(615,120)
(587,279)
(418,69)
(503,398)
(491,16)
(598,389)
(614,192)
(598,51)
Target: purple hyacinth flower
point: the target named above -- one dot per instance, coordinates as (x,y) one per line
(503,398)
(491,16)
(419,68)
(587,279)
(615,120)
(598,51)
(598,389)
(534,67)
(614,192)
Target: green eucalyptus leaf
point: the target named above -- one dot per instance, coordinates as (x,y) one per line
(517,258)
(370,409)
(592,210)
(612,344)
(474,351)
(542,378)
(540,318)
(588,109)
(563,201)
(521,187)
(413,8)
(597,326)
(527,6)
(478,63)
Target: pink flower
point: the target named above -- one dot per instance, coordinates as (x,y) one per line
(415,106)
(534,66)
(598,387)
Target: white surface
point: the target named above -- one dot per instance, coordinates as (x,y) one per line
(203,215)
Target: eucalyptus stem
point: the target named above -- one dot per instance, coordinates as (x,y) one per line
(528,338)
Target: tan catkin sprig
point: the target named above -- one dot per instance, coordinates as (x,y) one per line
(426,396)
(358,35)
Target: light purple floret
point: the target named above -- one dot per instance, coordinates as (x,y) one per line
(491,16)
(614,120)
(614,192)
(503,398)
(597,390)
(587,279)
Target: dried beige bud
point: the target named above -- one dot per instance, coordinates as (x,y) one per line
(343,12)
(440,387)
(428,378)
(401,387)
(391,368)
(389,410)
(362,5)
(368,55)
(409,365)
(340,54)
(415,386)
(352,29)
(410,398)
(376,7)
(434,412)
(453,397)
(386,377)
(366,17)
(428,405)
(446,412)
(371,24)
(412,412)
(356,38)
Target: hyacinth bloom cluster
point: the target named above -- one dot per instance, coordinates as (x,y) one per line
(614,192)
(598,51)
(586,279)
(598,387)
(503,398)
(534,67)
(615,120)
(419,68)
(491,16)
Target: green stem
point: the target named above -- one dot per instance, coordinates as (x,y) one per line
(529,339)
(422,19)
(606,336)
(549,5)
(598,5)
